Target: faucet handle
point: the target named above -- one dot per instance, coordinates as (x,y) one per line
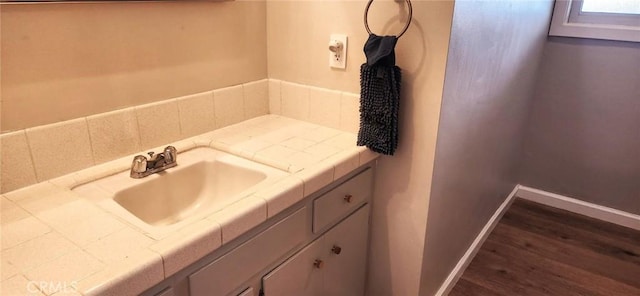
(139,164)
(170,154)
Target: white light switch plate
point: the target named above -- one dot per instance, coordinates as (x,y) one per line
(338,60)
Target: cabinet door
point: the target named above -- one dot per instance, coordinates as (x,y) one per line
(346,253)
(300,275)
(230,271)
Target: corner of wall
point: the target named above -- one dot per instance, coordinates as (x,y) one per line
(486,98)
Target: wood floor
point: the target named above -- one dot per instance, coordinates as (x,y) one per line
(540,250)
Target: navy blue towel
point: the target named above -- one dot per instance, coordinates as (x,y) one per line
(379,95)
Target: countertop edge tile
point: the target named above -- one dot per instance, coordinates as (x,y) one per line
(282,195)
(188,245)
(344,162)
(316,177)
(367,155)
(240,217)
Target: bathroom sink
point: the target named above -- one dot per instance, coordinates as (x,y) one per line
(177,194)
(205,181)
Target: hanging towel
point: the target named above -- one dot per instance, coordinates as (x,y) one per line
(379,95)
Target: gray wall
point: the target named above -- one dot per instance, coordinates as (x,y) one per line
(584,134)
(494,52)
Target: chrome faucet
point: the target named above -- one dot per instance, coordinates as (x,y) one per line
(142,167)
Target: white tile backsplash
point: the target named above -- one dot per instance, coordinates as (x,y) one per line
(229,105)
(324,107)
(159,123)
(47,152)
(60,148)
(17,166)
(256,98)
(114,134)
(295,100)
(330,108)
(197,114)
(350,112)
(275,99)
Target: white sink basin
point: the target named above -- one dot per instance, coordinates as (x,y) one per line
(201,186)
(205,181)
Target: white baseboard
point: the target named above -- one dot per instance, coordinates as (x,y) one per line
(580,207)
(466,259)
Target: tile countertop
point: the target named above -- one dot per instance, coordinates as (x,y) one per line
(56,242)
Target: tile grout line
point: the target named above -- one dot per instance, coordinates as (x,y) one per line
(33,161)
(135,113)
(93,157)
(175,100)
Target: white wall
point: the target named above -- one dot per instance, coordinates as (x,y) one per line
(62,61)
(298,37)
(583,138)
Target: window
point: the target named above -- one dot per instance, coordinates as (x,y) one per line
(611,6)
(599,19)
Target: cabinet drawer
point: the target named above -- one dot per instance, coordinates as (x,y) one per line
(339,202)
(227,273)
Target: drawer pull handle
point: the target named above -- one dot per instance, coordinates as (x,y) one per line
(336,250)
(318,264)
(348,198)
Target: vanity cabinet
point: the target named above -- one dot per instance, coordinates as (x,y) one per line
(316,247)
(334,264)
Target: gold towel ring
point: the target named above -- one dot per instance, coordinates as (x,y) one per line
(406,27)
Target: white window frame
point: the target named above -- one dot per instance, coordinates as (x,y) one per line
(568,21)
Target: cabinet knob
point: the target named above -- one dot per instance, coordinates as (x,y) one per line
(348,198)
(336,250)
(318,263)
